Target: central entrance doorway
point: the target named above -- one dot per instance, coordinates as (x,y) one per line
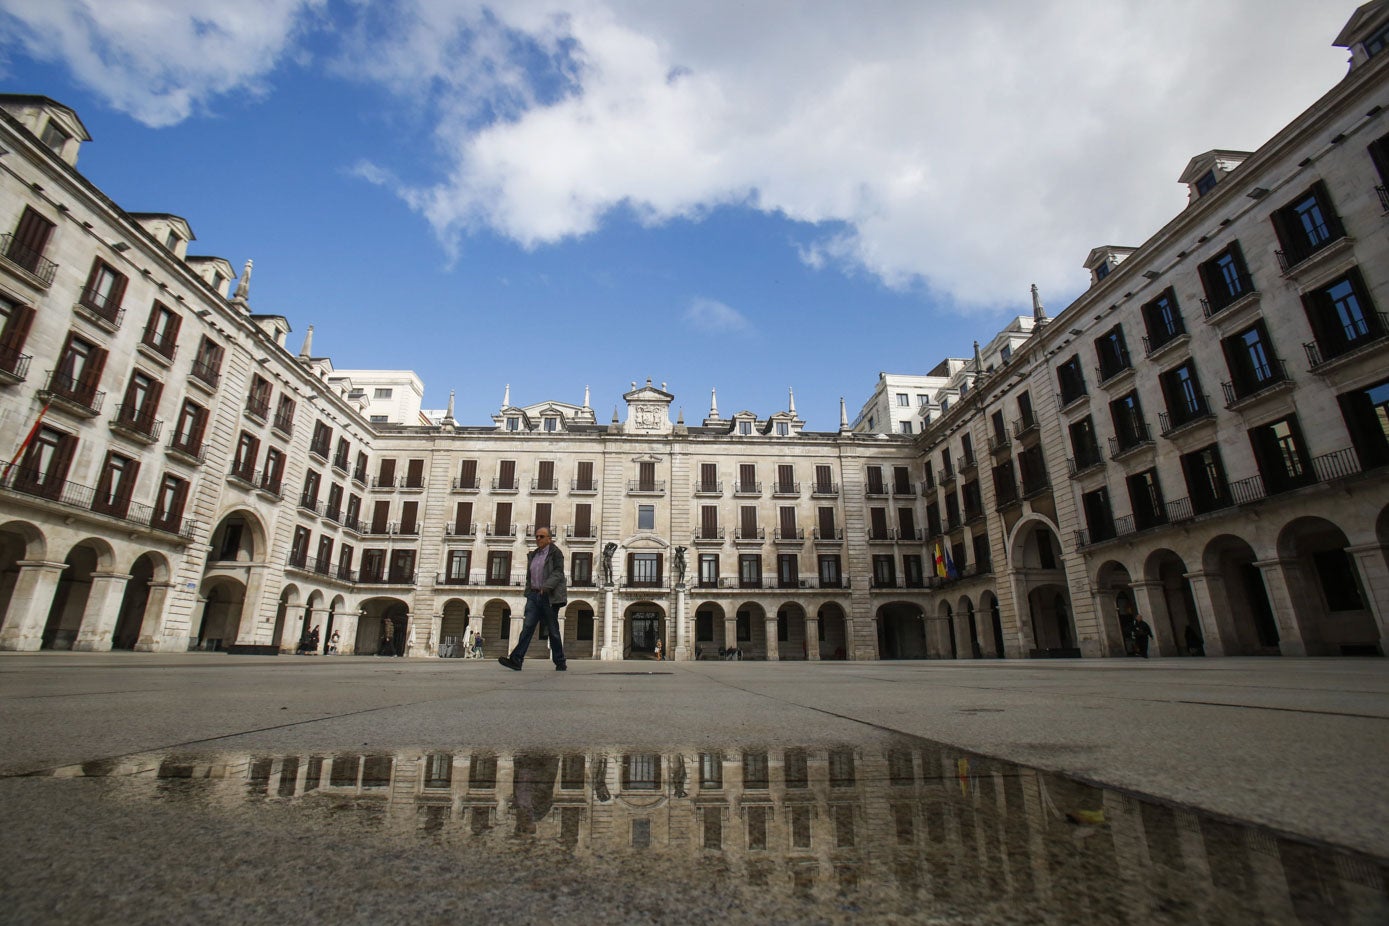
(645,625)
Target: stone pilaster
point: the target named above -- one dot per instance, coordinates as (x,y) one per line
(102,610)
(30,603)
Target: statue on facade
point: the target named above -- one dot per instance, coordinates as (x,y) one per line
(609,549)
(680,565)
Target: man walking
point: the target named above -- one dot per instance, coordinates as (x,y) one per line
(1141,634)
(546,591)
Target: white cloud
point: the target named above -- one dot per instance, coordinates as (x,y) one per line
(159,60)
(715,317)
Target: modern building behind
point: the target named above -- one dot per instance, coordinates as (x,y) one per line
(1202,437)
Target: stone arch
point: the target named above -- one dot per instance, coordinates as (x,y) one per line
(833,631)
(1329,600)
(643,623)
(1025,550)
(1053,627)
(69,609)
(223,598)
(967,630)
(1243,622)
(498,628)
(710,630)
(583,631)
(993,617)
(311,617)
(750,624)
(142,603)
(383,627)
(337,617)
(453,621)
(1173,594)
(791,632)
(1114,596)
(20,542)
(239,537)
(289,612)
(901,631)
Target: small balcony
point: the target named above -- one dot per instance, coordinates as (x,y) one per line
(708,488)
(827,535)
(163,348)
(134,421)
(501,532)
(36,267)
(747,488)
(945,476)
(1229,295)
(461,531)
(258,408)
(999,443)
(206,373)
(1291,258)
(310,504)
(750,535)
(882,535)
(646,487)
(446,578)
(1244,390)
(467,485)
(1024,426)
(14,366)
(709,536)
(1351,339)
(906,489)
(1172,423)
(78,397)
(580,533)
(788,535)
(1075,466)
(1158,342)
(284,424)
(786,489)
(1113,367)
(544,487)
(824,489)
(186,450)
(384,482)
(583,487)
(1136,438)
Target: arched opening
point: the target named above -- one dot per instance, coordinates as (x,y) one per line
(383,628)
(1114,586)
(453,626)
(134,603)
(221,614)
(1052,628)
(19,542)
(582,631)
(1328,595)
(989,603)
(1169,570)
(969,625)
(710,631)
(238,538)
(70,599)
(498,633)
(1246,622)
(901,631)
(332,631)
(643,624)
(790,632)
(833,631)
(289,614)
(310,639)
(751,625)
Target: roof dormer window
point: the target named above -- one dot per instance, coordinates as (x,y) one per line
(171,240)
(1205,183)
(1377,42)
(1102,270)
(54,137)
(513,423)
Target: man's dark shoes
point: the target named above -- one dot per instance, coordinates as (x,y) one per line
(510,663)
(561,668)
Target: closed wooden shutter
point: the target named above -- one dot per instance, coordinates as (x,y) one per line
(902,480)
(414,471)
(826,523)
(747,476)
(646,476)
(906,520)
(748,520)
(585,475)
(30,238)
(878,520)
(380,517)
(875,480)
(506,475)
(788,521)
(709,521)
(463,518)
(13,336)
(546,478)
(708,475)
(542,514)
(785,476)
(583,520)
(409,515)
(467,474)
(503,518)
(152,397)
(386,474)
(824,478)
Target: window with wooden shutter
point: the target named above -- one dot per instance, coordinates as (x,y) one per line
(788,568)
(116,485)
(506,475)
(27,245)
(827,531)
(747,477)
(463,519)
(385,473)
(161,331)
(502,522)
(747,522)
(646,476)
(708,477)
(13,333)
(906,521)
(824,479)
(458,563)
(545,479)
(709,522)
(380,517)
(168,511)
(787,519)
(583,520)
(467,474)
(878,522)
(499,567)
(875,481)
(542,516)
(785,477)
(414,474)
(409,517)
(104,290)
(584,477)
(901,480)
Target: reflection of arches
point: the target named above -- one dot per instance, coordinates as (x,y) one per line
(223,600)
(239,537)
(901,634)
(1052,628)
(73,592)
(988,602)
(790,632)
(581,630)
(643,623)
(1244,618)
(1327,593)
(19,542)
(833,631)
(710,635)
(1114,587)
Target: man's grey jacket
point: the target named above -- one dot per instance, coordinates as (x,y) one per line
(552,581)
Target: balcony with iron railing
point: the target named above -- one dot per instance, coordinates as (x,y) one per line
(35,266)
(1170,423)
(500,531)
(384,482)
(103,308)
(967,464)
(1033,486)
(1351,336)
(946,476)
(352,523)
(468,485)
(14,366)
(583,487)
(786,489)
(580,532)
(77,396)
(446,578)
(359,476)
(1157,342)
(646,487)
(1135,438)
(206,373)
(284,423)
(875,490)
(1228,294)
(28,483)
(258,407)
(333,513)
(1316,238)
(1005,494)
(1024,426)
(1243,390)
(824,489)
(907,490)
(456,530)
(708,488)
(165,346)
(309,503)
(881,535)
(788,535)
(749,534)
(137,422)
(999,443)
(747,488)
(391,577)
(1113,366)
(709,535)
(341,463)
(544,486)
(189,448)
(827,535)
(269,482)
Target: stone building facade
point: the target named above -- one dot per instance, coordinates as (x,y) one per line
(187,481)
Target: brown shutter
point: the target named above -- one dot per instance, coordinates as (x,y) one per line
(31,234)
(709,521)
(127,487)
(748,515)
(875,480)
(827,523)
(387,472)
(506,476)
(96,362)
(583,520)
(409,514)
(547,475)
(542,514)
(631,558)
(747,475)
(585,474)
(176,509)
(879,521)
(117,294)
(463,517)
(171,334)
(414,473)
(906,520)
(788,521)
(660,567)
(380,514)
(151,406)
(785,474)
(646,475)
(13,336)
(503,519)
(467,474)
(708,474)
(823,477)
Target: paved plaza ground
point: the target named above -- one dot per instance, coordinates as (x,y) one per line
(1299,747)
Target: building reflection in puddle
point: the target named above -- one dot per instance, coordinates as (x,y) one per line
(908,826)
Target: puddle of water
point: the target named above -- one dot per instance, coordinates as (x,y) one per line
(915,830)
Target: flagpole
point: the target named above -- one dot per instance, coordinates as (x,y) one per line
(28,438)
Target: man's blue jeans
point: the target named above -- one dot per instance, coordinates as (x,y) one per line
(538,608)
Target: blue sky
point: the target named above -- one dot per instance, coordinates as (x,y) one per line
(552,194)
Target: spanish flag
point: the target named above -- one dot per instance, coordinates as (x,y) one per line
(940,562)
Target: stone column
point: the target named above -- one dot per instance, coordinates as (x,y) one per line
(30,603)
(1290,601)
(347,621)
(1372,562)
(102,610)
(1216,627)
(682,644)
(812,638)
(249,625)
(436,628)
(294,628)
(152,629)
(730,630)
(1150,601)
(769,624)
(1022,615)
(608,650)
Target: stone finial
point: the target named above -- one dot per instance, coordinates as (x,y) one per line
(506,396)
(713,404)
(843,415)
(585,396)
(306,352)
(615,411)
(791,390)
(449,414)
(978,361)
(243,285)
(680,418)
(1038,313)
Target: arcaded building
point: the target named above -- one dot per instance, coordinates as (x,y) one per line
(1200,438)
